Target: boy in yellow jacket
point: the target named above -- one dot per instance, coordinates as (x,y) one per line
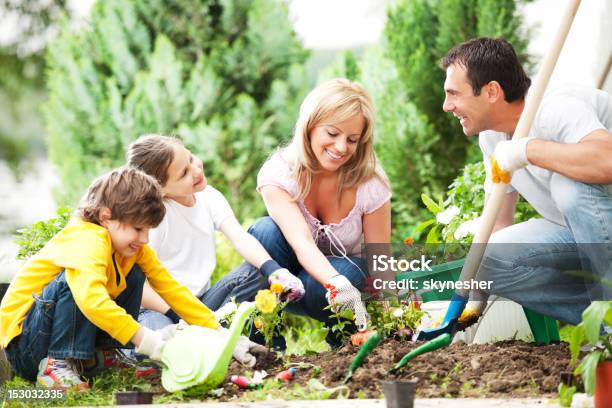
(82,291)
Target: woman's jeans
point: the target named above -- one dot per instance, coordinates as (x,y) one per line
(245,281)
(242,284)
(552,269)
(314,303)
(57,328)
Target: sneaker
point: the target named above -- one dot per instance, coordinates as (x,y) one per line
(59,374)
(105,359)
(6,370)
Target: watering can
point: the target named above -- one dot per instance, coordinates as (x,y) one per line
(199,355)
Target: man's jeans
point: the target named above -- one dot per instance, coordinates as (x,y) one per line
(56,327)
(242,283)
(534,263)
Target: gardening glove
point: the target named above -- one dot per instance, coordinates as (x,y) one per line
(225,310)
(293,288)
(244,349)
(511,155)
(341,295)
(170,331)
(152,344)
(471,314)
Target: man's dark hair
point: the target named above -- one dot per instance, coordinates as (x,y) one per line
(490,59)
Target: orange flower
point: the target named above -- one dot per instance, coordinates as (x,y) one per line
(276,288)
(499,175)
(258,323)
(409,241)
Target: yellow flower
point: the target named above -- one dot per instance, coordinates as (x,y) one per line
(258,323)
(276,288)
(265,301)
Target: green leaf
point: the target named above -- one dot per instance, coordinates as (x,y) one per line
(576,339)
(430,204)
(566,394)
(423,225)
(587,370)
(433,237)
(592,317)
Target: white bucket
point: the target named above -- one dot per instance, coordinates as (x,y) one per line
(503,320)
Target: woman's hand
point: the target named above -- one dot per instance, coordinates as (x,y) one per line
(341,294)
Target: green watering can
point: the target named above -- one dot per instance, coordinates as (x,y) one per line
(200,356)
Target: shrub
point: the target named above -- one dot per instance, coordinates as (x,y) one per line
(224,75)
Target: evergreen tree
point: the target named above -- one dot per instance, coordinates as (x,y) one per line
(224,75)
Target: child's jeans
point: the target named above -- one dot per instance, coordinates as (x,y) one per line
(55,326)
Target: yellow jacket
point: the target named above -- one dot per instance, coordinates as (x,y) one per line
(85,252)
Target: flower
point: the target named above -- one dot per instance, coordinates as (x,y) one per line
(265,301)
(468,227)
(397,312)
(409,241)
(276,288)
(446,216)
(259,323)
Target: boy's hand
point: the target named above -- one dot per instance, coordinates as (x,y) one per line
(341,294)
(151,344)
(293,288)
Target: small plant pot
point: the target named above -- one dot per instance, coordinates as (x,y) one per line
(399,394)
(133,397)
(603,384)
(3,289)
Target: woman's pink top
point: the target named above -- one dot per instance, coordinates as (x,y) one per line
(337,239)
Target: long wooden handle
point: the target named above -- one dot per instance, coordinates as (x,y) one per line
(494,202)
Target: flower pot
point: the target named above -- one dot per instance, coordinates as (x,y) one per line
(399,394)
(133,397)
(603,385)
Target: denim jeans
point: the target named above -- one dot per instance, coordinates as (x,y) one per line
(241,283)
(56,327)
(314,302)
(536,271)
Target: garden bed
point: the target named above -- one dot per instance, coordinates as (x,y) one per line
(508,369)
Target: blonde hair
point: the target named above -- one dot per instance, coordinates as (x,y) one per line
(333,102)
(131,195)
(153,154)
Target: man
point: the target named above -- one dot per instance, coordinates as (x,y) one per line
(563,169)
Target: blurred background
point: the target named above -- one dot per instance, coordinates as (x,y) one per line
(80,79)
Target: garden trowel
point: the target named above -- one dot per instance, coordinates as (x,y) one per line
(200,356)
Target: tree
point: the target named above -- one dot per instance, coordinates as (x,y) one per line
(22,65)
(224,75)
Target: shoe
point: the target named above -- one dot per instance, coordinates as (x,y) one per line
(113,358)
(6,370)
(60,374)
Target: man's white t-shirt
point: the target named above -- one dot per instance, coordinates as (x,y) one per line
(185,239)
(566,115)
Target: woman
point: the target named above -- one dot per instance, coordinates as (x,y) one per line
(326,194)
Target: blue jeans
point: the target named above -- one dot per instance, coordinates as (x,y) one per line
(533,263)
(241,283)
(314,302)
(56,327)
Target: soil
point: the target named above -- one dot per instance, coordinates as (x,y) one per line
(504,370)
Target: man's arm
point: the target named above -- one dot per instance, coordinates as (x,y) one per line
(505,218)
(587,161)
